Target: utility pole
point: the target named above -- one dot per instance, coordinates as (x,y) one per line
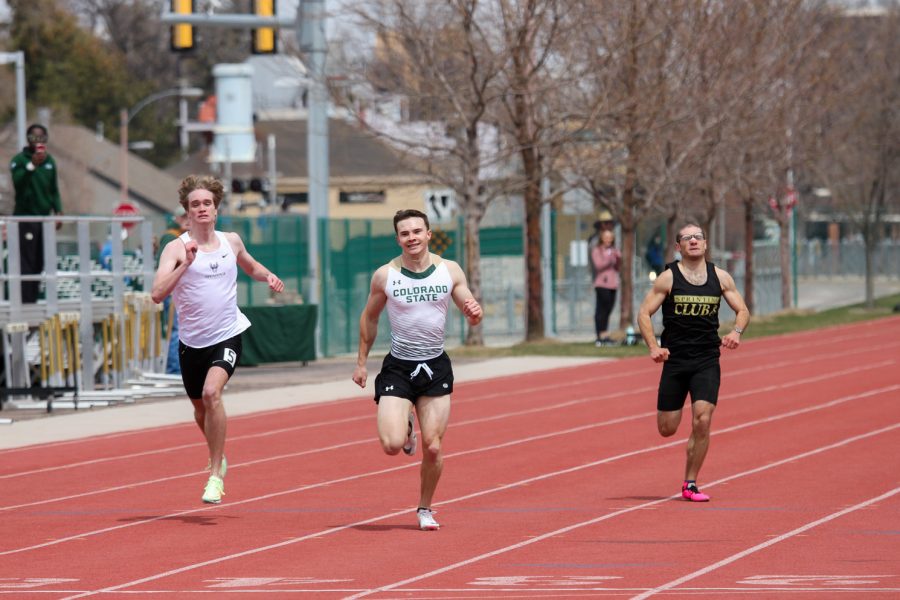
(312,41)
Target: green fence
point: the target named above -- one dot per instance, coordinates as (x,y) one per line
(350,250)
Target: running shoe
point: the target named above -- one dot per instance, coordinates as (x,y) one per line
(412,440)
(215,489)
(222,469)
(426,519)
(689,491)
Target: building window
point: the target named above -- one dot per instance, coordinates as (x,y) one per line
(295,198)
(362,197)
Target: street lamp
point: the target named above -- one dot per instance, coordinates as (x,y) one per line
(125,117)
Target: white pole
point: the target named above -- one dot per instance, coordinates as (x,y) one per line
(547,258)
(19,59)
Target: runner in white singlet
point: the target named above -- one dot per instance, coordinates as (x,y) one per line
(416,288)
(199,269)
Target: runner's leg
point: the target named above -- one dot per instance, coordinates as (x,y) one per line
(698,443)
(214,424)
(434,414)
(393,413)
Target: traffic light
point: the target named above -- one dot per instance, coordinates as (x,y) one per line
(182,34)
(264,39)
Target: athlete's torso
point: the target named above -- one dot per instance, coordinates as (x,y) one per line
(417,308)
(691,316)
(206,297)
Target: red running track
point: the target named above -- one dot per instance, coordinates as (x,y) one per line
(556,484)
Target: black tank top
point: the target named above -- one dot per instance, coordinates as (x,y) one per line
(691,317)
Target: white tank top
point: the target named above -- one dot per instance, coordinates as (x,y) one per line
(206,297)
(417,308)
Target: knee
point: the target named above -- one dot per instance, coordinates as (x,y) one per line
(702,424)
(391,444)
(212,397)
(667,429)
(667,422)
(431,450)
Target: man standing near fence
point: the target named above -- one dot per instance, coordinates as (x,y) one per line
(689,292)
(199,269)
(35,180)
(416,288)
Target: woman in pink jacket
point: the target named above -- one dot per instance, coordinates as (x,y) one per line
(607,260)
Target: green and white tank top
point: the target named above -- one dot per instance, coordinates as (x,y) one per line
(417,309)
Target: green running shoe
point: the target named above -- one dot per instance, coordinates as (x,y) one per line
(222,470)
(215,489)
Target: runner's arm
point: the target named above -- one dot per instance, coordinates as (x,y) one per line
(173,262)
(652,301)
(463,296)
(368,324)
(734,299)
(251,266)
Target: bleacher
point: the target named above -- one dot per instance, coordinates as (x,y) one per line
(69,287)
(68,350)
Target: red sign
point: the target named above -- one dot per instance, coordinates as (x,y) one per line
(126,209)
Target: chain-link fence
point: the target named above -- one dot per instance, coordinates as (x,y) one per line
(352,249)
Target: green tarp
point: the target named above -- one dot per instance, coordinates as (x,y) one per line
(279,334)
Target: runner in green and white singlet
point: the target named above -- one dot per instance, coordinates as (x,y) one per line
(416,288)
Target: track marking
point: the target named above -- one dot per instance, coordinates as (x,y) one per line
(623,511)
(752,550)
(744,425)
(530,541)
(543,408)
(605,377)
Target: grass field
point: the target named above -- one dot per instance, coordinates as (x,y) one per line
(783,322)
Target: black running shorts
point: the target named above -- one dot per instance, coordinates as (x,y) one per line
(413,379)
(678,379)
(196,362)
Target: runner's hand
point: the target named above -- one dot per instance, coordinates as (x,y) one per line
(659,354)
(360,374)
(472,311)
(190,252)
(275,284)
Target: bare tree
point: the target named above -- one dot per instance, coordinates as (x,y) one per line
(444,64)
(859,137)
(659,68)
(536,78)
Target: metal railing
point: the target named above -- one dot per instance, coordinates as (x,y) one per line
(107,319)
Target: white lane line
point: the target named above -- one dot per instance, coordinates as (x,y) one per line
(544,408)
(601,377)
(752,550)
(480,398)
(486,555)
(623,511)
(744,425)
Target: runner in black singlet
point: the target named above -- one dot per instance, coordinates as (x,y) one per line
(689,292)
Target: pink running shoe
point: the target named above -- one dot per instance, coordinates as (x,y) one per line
(689,491)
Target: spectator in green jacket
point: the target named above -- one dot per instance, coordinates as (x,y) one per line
(37,195)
